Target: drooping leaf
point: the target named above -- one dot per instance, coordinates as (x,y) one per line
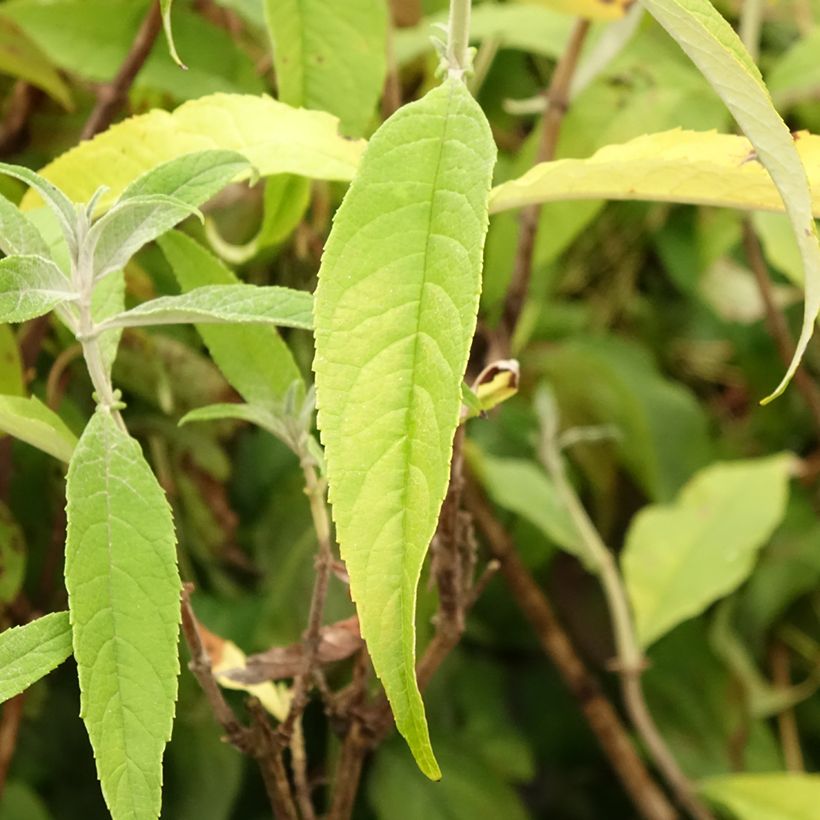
(717,51)
(272,136)
(330,56)
(29,652)
(254,358)
(591,9)
(29,287)
(520,486)
(20,57)
(395,314)
(123,589)
(223,304)
(12,555)
(697,167)
(774,796)
(11,368)
(31,421)
(680,558)
(165,6)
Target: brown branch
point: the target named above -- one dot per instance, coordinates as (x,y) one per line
(22,102)
(257,741)
(776,322)
(9,730)
(786,722)
(112,96)
(557,97)
(601,716)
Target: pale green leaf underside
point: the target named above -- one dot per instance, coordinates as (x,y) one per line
(716,50)
(31,421)
(272,136)
(221,304)
(330,56)
(765,796)
(29,287)
(123,589)
(17,234)
(27,653)
(680,558)
(395,314)
(253,358)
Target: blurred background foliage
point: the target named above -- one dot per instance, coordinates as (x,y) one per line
(642,316)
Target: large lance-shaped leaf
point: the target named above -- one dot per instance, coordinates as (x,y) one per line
(29,652)
(695,167)
(680,558)
(223,304)
(253,358)
(330,56)
(123,590)
(395,313)
(716,50)
(272,136)
(31,421)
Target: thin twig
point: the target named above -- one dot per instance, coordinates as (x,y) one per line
(256,741)
(22,102)
(112,96)
(776,323)
(9,730)
(557,102)
(786,722)
(601,716)
(630,658)
(298,762)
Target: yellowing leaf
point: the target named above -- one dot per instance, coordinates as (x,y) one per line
(275,138)
(765,796)
(712,45)
(697,167)
(395,314)
(590,9)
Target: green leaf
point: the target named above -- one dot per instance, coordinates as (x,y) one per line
(330,56)
(254,359)
(17,234)
(12,556)
(774,796)
(11,368)
(29,652)
(520,486)
(273,137)
(123,590)
(716,50)
(20,800)
(680,558)
(32,422)
(223,304)
(165,6)
(795,75)
(395,314)
(20,57)
(59,203)
(29,287)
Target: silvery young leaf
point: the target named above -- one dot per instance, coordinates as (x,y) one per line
(29,287)
(129,225)
(59,203)
(219,304)
(253,358)
(123,593)
(395,314)
(717,51)
(17,234)
(27,653)
(31,421)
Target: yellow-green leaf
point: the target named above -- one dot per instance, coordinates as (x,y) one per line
(31,421)
(697,167)
(591,9)
(765,796)
(395,314)
(712,45)
(165,7)
(275,138)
